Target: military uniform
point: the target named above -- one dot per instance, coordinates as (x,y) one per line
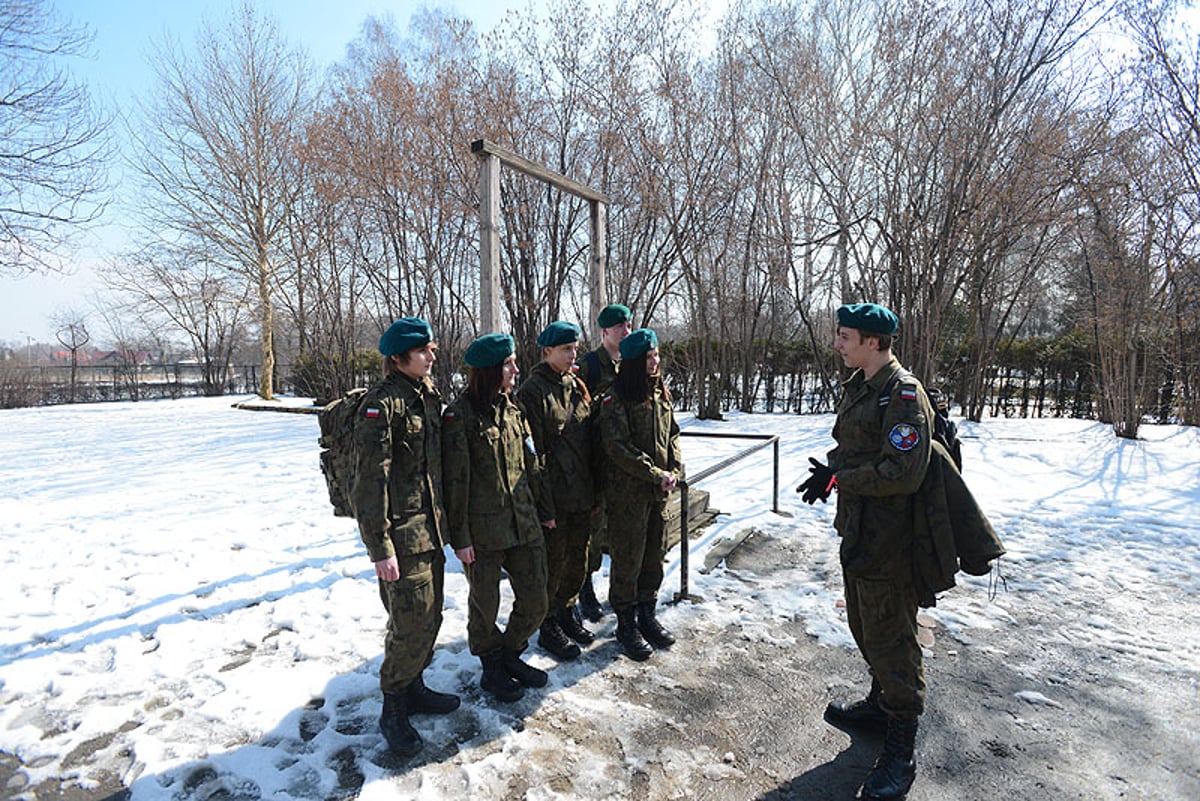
(642,445)
(598,370)
(559,417)
(398,506)
(880,462)
(492,481)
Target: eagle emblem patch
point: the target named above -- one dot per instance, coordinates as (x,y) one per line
(904,437)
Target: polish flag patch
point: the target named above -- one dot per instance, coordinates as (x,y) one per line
(449,415)
(371,413)
(908,394)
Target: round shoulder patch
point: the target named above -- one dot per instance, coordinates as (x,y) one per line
(904,437)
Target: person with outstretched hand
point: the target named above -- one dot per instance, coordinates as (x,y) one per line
(877,466)
(819,485)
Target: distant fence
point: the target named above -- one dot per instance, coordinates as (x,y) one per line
(50,385)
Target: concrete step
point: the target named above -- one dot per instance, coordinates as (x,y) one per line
(699,514)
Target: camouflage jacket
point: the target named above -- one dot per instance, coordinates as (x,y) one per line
(598,371)
(398,480)
(880,461)
(491,474)
(559,416)
(642,442)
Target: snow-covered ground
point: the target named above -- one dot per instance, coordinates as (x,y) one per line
(181,612)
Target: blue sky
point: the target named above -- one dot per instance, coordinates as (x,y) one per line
(124,30)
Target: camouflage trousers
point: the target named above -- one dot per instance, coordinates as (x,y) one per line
(881,608)
(597,539)
(526,568)
(636,547)
(566,557)
(414,608)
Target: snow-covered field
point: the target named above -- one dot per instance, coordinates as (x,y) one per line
(181,612)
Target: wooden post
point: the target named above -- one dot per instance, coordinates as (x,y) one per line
(491,156)
(489,244)
(599,262)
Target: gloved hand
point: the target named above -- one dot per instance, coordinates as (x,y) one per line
(819,484)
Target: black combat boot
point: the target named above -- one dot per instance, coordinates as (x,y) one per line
(895,768)
(401,737)
(650,628)
(421,699)
(589,604)
(552,638)
(570,625)
(526,674)
(864,713)
(636,648)
(496,679)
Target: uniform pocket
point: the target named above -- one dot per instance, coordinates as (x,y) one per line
(878,605)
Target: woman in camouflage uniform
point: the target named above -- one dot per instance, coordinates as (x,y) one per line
(597,369)
(398,506)
(558,407)
(641,439)
(490,470)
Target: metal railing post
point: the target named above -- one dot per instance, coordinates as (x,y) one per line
(683,541)
(775,505)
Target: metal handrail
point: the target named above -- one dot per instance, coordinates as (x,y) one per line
(765,440)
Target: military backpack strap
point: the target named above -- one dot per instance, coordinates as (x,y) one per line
(885,394)
(592,364)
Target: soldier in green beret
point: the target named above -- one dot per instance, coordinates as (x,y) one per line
(558,408)
(877,466)
(398,506)
(598,369)
(641,439)
(494,509)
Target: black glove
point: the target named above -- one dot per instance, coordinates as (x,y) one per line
(818,485)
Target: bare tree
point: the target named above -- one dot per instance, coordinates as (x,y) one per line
(134,339)
(189,294)
(216,153)
(399,178)
(1168,76)
(54,143)
(71,332)
(1120,192)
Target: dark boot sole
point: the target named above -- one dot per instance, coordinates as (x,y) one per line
(857,721)
(402,749)
(561,654)
(505,694)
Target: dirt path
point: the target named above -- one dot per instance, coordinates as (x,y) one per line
(1101,725)
(1026,712)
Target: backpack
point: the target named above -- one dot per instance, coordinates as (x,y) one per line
(338,453)
(945,430)
(591,362)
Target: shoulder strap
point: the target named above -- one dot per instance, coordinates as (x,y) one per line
(592,362)
(885,394)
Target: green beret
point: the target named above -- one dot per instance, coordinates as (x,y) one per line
(489,350)
(558,333)
(405,334)
(869,317)
(613,314)
(638,342)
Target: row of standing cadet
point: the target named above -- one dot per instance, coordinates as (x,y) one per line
(515,483)
(501,508)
